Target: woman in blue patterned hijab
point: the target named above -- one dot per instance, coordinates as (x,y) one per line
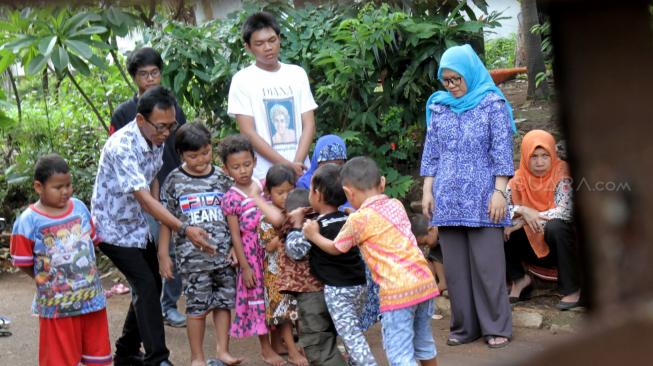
(464,61)
(466,163)
(328,149)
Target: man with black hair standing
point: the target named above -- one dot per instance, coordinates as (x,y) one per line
(125,189)
(272,101)
(145,66)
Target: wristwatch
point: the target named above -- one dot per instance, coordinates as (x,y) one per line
(182,229)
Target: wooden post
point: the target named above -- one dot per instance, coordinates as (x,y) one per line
(604,75)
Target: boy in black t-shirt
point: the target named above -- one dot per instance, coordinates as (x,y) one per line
(343,275)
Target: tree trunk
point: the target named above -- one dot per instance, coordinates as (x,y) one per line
(533,51)
(16,94)
(521,60)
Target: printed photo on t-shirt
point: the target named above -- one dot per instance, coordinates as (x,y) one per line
(67,270)
(281,121)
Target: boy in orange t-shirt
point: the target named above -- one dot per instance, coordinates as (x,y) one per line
(381,229)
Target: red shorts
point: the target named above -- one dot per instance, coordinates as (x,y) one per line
(73,340)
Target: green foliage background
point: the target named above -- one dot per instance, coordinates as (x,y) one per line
(371,68)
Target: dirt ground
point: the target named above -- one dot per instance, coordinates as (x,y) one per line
(20,349)
(17,291)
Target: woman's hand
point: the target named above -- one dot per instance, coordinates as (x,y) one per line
(497,207)
(532,218)
(165,266)
(248,276)
(517,224)
(428,202)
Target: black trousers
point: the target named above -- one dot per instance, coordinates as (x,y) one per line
(563,254)
(144,321)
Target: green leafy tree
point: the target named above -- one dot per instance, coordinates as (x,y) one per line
(66,44)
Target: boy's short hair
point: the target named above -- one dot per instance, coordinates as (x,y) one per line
(49,165)
(192,137)
(234,144)
(145,56)
(258,21)
(297,198)
(419,224)
(361,173)
(278,174)
(157,96)
(326,180)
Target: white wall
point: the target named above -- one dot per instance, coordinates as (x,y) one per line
(216,9)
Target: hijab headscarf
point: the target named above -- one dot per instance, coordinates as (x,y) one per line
(537,192)
(327,147)
(464,61)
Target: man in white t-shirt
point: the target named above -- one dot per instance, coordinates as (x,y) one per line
(272,101)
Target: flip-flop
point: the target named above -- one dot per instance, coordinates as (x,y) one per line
(120,289)
(4,326)
(498,345)
(214,362)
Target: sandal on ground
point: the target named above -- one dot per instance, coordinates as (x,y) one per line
(214,362)
(497,345)
(120,289)
(566,305)
(523,296)
(454,342)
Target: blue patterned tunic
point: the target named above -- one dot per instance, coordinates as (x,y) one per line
(464,153)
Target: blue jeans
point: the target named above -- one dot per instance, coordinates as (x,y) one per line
(407,335)
(171,288)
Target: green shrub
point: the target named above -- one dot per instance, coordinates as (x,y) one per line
(371,68)
(500,53)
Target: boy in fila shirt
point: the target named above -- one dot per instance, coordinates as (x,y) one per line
(193,193)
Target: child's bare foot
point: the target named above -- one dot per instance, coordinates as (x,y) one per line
(279,347)
(227,359)
(272,358)
(298,359)
(198,363)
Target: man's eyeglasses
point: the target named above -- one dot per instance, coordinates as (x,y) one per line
(160,128)
(152,73)
(454,81)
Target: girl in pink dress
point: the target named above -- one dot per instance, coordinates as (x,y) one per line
(243,218)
